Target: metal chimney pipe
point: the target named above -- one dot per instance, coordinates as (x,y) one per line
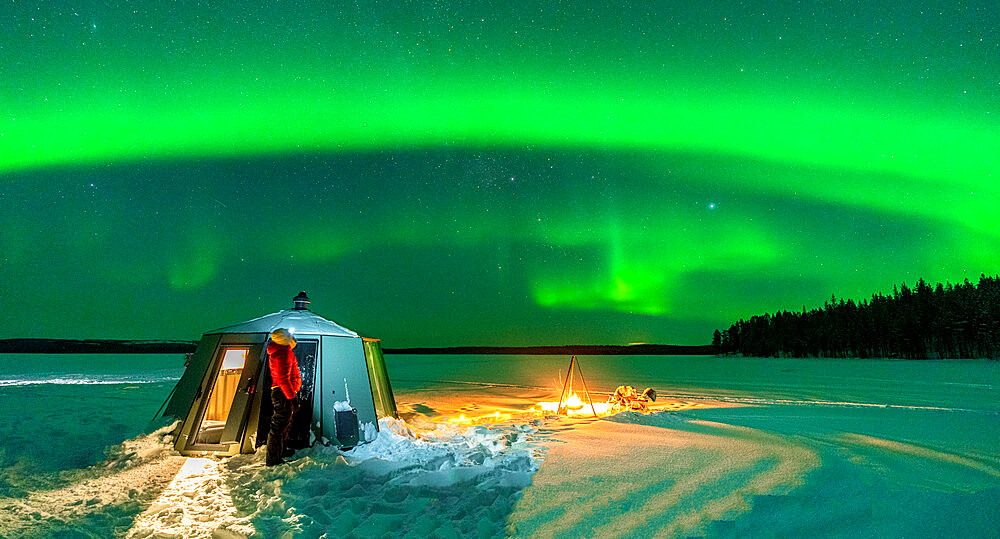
(301,301)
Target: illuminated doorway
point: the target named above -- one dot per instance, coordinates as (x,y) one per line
(220,400)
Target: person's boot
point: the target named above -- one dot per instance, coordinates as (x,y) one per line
(273,453)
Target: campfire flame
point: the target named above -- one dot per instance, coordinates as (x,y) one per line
(573,406)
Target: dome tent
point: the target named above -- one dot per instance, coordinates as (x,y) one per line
(223,397)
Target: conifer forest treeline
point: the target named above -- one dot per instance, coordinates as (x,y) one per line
(925,322)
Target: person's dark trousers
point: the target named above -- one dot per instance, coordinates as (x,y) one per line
(280,422)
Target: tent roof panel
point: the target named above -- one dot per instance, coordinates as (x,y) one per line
(299,321)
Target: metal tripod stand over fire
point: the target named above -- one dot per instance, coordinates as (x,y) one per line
(567,389)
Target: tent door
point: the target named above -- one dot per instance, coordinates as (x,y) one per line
(238,412)
(298,435)
(227,379)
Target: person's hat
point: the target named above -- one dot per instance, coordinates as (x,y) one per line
(282,336)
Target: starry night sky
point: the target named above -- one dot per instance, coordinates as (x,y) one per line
(450,173)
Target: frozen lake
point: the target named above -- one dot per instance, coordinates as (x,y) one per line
(951,384)
(815,447)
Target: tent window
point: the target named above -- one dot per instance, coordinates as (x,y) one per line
(220,400)
(234,359)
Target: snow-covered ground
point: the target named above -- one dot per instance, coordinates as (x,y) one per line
(737,447)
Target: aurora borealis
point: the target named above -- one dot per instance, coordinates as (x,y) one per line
(448,173)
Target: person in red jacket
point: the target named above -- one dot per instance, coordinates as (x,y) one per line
(285,386)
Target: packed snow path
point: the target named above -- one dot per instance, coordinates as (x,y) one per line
(197,503)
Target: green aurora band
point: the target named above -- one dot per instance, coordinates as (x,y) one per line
(815,186)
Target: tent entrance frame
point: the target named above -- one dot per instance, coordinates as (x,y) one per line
(304,423)
(244,397)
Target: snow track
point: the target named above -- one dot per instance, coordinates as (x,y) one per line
(196,504)
(610,479)
(105,496)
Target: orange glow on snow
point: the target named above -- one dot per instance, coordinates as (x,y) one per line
(494,417)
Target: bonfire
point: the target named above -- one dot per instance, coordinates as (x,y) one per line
(625,398)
